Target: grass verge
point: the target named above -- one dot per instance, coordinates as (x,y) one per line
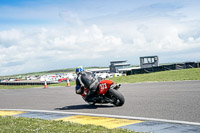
(174,75)
(18,86)
(10,124)
(33,86)
(72,83)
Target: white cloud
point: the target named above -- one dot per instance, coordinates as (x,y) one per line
(120,35)
(34,48)
(55,44)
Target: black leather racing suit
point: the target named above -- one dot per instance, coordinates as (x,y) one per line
(87,80)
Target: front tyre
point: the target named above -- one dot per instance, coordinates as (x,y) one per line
(117,97)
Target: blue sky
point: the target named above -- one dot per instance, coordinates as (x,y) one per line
(39,35)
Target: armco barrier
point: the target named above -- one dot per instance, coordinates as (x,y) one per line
(25,83)
(198,64)
(164,68)
(180,66)
(191,65)
(168,67)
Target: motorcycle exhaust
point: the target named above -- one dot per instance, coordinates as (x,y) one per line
(117,86)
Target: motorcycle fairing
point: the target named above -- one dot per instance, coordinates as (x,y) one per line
(104,85)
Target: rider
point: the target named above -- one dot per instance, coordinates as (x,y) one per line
(87,80)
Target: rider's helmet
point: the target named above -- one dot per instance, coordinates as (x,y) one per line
(79,69)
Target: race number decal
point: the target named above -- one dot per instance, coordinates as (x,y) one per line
(103,86)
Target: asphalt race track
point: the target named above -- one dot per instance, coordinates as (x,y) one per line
(165,100)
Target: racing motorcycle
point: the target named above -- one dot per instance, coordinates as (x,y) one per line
(107,92)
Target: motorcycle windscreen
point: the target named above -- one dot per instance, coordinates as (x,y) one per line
(104,85)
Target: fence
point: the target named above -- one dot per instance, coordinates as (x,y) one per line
(177,66)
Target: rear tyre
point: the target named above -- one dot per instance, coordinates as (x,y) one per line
(117,97)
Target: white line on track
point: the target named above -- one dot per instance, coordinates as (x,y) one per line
(106,115)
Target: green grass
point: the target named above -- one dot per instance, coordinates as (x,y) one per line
(174,75)
(64,84)
(34,86)
(9,124)
(18,86)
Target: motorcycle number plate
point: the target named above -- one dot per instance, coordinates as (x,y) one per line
(103,88)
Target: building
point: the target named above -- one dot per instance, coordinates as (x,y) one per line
(119,66)
(101,70)
(148,61)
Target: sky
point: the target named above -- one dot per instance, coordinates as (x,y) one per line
(41,35)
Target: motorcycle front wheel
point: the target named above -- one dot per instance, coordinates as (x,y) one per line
(117,97)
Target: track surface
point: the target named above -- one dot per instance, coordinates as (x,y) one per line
(165,100)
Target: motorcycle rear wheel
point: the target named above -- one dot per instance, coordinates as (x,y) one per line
(117,96)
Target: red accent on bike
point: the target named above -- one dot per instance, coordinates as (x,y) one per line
(85,92)
(104,85)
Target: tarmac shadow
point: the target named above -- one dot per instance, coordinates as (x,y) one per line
(84,106)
